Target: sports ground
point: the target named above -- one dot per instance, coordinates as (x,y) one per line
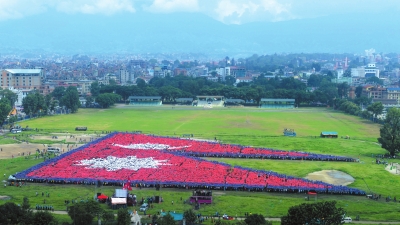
(244,126)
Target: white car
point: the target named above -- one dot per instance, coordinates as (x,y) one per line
(143,207)
(347,220)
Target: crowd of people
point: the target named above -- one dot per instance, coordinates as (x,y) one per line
(170,166)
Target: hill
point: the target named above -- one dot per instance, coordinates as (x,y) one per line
(142,33)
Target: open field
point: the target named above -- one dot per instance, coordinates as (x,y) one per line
(211,122)
(251,126)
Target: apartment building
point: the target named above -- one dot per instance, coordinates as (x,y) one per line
(21,78)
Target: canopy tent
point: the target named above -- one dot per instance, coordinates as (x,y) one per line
(102,197)
(314,193)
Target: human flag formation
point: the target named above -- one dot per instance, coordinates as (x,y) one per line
(153,160)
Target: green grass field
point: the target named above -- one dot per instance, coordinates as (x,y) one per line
(211,122)
(247,126)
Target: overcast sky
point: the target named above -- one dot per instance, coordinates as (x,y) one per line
(226,11)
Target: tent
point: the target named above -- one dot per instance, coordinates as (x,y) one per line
(102,197)
(313,193)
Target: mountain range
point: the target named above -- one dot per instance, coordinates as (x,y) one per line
(141,33)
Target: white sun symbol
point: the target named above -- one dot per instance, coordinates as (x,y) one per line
(112,163)
(150,146)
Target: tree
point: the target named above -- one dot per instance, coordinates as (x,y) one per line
(256,219)
(10,213)
(49,102)
(315,213)
(27,212)
(364,101)
(326,93)
(140,83)
(124,91)
(220,222)
(358,91)
(314,80)
(316,66)
(107,216)
(34,103)
(166,220)
(112,82)
(343,89)
(83,213)
(8,95)
(58,92)
(5,109)
(95,89)
(123,217)
(230,80)
(107,99)
(374,80)
(89,101)
(43,218)
(390,132)
(71,99)
(347,73)
(375,108)
(189,216)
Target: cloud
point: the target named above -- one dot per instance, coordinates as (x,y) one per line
(107,7)
(241,11)
(16,9)
(168,6)
(226,11)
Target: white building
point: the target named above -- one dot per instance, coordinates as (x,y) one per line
(358,72)
(124,76)
(340,73)
(21,94)
(223,72)
(366,71)
(371,70)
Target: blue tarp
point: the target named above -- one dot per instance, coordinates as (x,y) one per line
(176,216)
(329,133)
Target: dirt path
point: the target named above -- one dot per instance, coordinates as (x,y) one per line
(24,149)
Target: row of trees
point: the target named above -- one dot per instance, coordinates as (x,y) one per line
(35,103)
(83,213)
(68,97)
(170,88)
(11,213)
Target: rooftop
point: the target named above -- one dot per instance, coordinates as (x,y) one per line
(277,100)
(16,71)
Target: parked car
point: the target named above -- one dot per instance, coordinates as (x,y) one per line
(226,217)
(347,220)
(144,207)
(14,131)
